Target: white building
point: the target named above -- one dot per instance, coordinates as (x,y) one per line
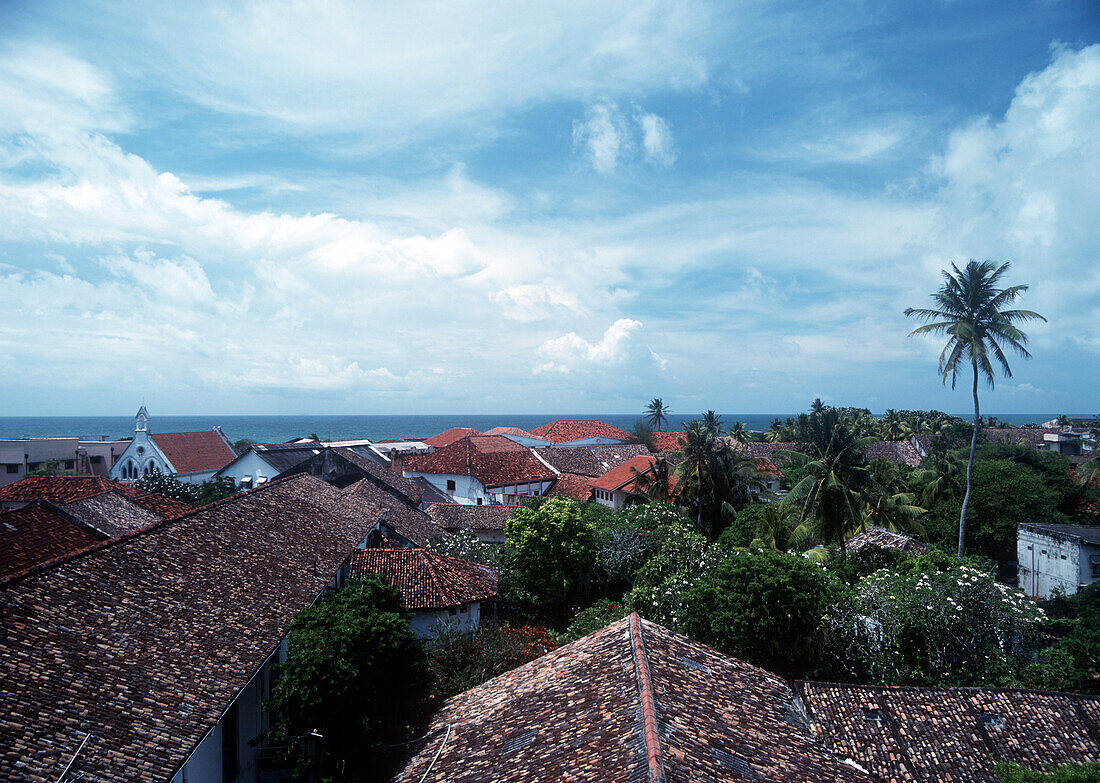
(191,457)
(1066,557)
(481,470)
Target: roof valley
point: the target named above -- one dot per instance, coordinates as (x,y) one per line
(656,772)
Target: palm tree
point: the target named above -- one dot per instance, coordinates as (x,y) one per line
(891,427)
(968,310)
(657,413)
(657,483)
(941,480)
(713,422)
(737,432)
(817,406)
(713,479)
(837,483)
(775,430)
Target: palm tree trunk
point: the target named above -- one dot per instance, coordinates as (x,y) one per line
(970,463)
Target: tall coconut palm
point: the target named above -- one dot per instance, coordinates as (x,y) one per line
(940,481)
(891,426)
(738,432)
(968,310)
(712,421)
(657,413)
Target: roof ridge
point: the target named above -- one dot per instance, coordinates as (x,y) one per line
(112,541)
(645,695)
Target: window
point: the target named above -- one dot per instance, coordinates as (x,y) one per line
(97,459)
(479,501)
(1044,551)
(464,609)
(69,464)
(450,485)
(872,714)
(1096,568)
(12,468)
(1063,557)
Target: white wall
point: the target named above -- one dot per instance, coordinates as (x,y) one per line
(429,623)
(249,465)
(468,490)
(141,456)
(1046,562)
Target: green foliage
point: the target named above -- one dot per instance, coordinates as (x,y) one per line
(549,557)
(866,561)
(657,413)
(1052,469)
(660,584)
(743,529)
(52,467)
(643,434)
(1053,670)
(931,627)
(1005,494)
(598,615)
(1008,772)
(460,660)
(241,446)
(351,674)
(195,494)
(466,546)
(765,607)
(1073,661)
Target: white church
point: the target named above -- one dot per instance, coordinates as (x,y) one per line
(191,457)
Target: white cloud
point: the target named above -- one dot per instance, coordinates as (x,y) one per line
(603,135)
(656,140)
(571,352)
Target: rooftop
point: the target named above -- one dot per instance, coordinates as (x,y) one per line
(447,437)
(460,516)
(1089,534)
(142,642)
(631,702)
(573,485)
(37,533)
(625,474)
(567,430)
(667,441)
(887,539)
(61,489)
(956,734)
(491,459)
(427,580)
(591,461)
(195,452)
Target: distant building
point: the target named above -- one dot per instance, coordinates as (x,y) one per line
(1066,557)
(191,457)
(483,469)
(564,433)
(485,522)
(22,456)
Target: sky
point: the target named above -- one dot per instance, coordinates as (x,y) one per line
(502,207)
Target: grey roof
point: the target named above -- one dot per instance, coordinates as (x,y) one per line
(590,460)
(111,513)
(1089,534)
(459,516)
(284,456)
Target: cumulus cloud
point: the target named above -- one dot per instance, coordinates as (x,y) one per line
(571,352)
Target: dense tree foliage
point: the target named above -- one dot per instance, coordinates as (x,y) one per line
(354,674)
(195,494)
(459,660)
(1008,772)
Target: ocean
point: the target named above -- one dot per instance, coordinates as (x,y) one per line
(279,429)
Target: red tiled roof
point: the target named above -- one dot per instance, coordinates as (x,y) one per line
(60,489)
(567,430)
(37,533)
(427,580)
(957,734)
(894,451)
(447,437)
(511,431)
(491,459)
(573,485)
(194,452)
(141,643)
(765,467)
(631,702)
(462,516)
(590,460)
(667,441)
(624,474)
(166,507)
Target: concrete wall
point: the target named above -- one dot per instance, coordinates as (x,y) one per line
(1046,562)
(250,466)
(429,623)
(139,459)
(468,490)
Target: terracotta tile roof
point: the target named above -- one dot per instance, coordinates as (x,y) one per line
(165,507)
(37,533)
(194,452)
(61,489)
(624,474)
(667,441)
(511,431)
(491,459)
(566,430)
(956,734)
(113,513)
(402,519)
(427,580)
(767,450)
(447,437)
(893,451)
(887,539)
(590,460)
(631,702)
(1014,436)
(381,475)
(142,642)
(459,516)
(923,442)
(573,485)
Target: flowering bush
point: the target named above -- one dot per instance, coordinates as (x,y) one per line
(660,584)
(466,546)
(953,627)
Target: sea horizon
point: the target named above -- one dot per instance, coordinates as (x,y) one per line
(279,428)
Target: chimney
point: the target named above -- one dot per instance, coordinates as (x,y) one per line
(397,461)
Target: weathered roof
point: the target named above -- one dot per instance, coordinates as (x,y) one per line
(491,459)
(631,702)
(765,450)
(1018,436)
(511,431)
(573,485)
(888,539)
(893,451)
(447,437)
(624,474)
(460,516)
(284,456)
(165,506)
(39,532)
(60,489)
(142,642)
(1089,534)
(378,473)
(667,441)
(590,460)
(566,430)
(194,452)
(427,580)
(404,519)
(113,513)
(957,734)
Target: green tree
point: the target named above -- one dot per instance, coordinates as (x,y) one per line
(712,421)
(1008,772)
(713,480)
(549,552)
(354,674)
(968,310)
(643,434)
(737,432)
(765,607)
(941,480)
(657,413)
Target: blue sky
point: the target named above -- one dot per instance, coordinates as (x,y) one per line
(501,207)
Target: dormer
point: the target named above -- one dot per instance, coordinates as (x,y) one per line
(141,421)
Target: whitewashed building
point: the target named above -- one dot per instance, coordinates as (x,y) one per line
(1063,557)
(191,457)
(482,470)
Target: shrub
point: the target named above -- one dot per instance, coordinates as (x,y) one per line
(460,660)
(598,615)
